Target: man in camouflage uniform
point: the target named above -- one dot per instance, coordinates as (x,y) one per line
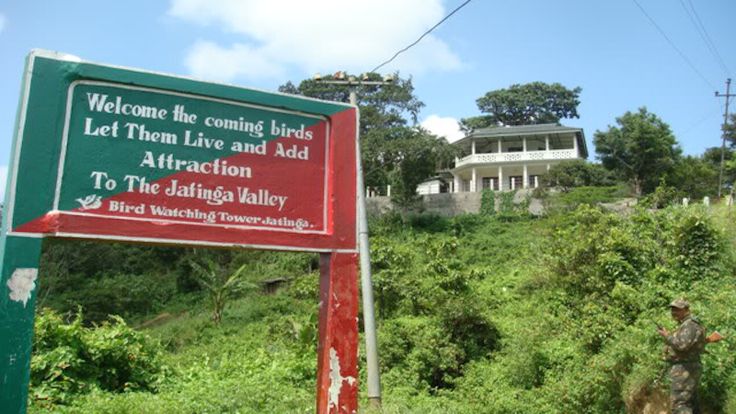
(684,347)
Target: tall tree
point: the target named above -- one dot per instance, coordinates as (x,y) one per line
(731,131)
(695,177)
(381,106)
(530,103)
(393,149)
(642,149)
(576,173)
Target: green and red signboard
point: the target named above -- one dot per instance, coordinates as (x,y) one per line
(102,152)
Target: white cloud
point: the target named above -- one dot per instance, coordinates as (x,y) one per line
(447,127)
(209,61)
(316,35)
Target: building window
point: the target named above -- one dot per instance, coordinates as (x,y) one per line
(490,183)
(516,181)
(534,181)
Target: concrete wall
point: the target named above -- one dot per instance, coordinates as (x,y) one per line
(449,204)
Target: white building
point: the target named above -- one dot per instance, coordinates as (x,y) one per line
(434,185)
(513,157)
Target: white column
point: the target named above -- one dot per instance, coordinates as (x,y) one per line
(546,142)
(523,144)
(525,178)
(575,145)
(474,182)
(499,145)
(500,178)
(458,185)
(472,147)
(388,190)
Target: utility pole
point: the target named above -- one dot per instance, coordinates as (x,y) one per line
(727,95)
(369,320)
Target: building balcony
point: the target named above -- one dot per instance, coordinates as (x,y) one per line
(511,157)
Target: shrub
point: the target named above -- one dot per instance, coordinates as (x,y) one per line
(487,202)
(70,359)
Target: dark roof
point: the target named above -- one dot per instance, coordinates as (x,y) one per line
(523,130)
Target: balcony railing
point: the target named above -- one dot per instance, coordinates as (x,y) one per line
(552,155)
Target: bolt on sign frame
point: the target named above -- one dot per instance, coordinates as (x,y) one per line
(103,152)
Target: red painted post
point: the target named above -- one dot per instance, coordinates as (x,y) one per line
(337,351)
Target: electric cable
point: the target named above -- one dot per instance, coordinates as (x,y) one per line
(420,37)
(682,55)
(709,40)
(704,35)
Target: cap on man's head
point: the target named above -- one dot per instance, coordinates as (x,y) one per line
(680,304)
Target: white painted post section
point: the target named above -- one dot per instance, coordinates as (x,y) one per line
(458,183)
(546,142)
(525,178)
(500,178)
(474,182)
(472,147)
(575,145)
(523,144)
(499,145)
(388,190)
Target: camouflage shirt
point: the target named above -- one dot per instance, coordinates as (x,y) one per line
(687,342)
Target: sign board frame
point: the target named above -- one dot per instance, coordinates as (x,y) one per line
(56,188)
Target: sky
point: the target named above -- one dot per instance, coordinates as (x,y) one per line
(621,58)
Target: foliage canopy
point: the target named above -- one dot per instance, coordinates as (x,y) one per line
(525,104)
(642,149)
(393,150)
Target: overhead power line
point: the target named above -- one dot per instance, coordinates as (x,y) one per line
(709,39)
(420,37)
(700,28)
(667,38)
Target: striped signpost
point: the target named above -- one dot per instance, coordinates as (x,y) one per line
(102,152)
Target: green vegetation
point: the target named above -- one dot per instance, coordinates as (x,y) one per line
(394,150)
(476,314)
(525,104)
(641,149)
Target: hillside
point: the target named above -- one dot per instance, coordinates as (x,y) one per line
(476,314)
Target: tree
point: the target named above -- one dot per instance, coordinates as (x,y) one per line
(695,177)
(641,149)
(530,103)
(221,284)
(381,106)
(731,132)
(576,173)
(393,150)
(411,156)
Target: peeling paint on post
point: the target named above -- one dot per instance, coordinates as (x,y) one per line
(337,352)
(21,284)
(17,308)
